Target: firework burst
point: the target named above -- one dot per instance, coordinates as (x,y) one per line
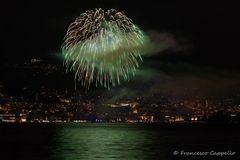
(103,48)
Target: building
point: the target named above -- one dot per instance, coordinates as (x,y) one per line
(7,118)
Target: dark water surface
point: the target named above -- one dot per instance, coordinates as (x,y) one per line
(116,141)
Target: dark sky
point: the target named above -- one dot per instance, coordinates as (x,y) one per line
(36,29)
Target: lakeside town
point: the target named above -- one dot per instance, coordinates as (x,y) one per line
(62,106)
(45,104)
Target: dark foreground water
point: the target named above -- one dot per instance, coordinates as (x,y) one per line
(117,141)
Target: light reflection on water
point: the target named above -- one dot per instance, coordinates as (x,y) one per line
(107,141)
(112,141)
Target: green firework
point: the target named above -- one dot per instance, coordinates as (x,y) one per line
(103,48)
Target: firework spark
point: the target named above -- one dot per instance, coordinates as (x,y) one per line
(103,47)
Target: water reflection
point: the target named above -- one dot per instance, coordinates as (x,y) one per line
(112,141)
(107,141)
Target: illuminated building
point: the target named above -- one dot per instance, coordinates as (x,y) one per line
(8,118)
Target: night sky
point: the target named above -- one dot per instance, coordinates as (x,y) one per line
(201,40)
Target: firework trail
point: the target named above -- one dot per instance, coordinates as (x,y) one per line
(103,47)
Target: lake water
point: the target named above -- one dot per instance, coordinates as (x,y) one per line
(108,141)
